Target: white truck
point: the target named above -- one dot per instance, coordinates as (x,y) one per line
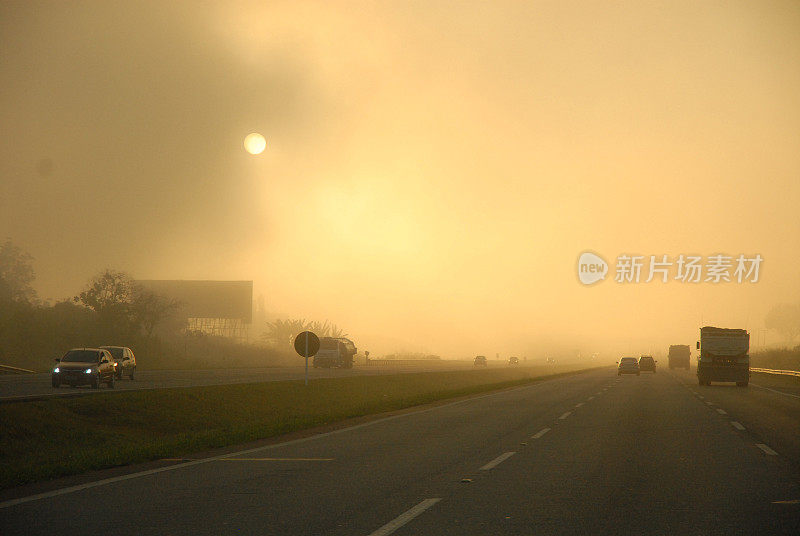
(335,352)
(724,356)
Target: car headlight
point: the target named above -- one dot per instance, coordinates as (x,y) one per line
(55,370)
(88,371)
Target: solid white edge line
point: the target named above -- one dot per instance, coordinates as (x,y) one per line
(774,391)
(766,449)
(497,461)
(737,425)
(404,518)
(540,433)
(721,411)
(96,483)
(564,415)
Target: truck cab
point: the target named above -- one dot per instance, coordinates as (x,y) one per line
(724,356)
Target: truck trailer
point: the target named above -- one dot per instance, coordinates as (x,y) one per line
(679,356)
(724,356)
(335,352)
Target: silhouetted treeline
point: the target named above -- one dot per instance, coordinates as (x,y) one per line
(777,358)
(111,310)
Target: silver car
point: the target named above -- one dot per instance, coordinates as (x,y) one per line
(628,365)
(124,359)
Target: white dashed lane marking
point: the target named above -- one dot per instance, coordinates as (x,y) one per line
(774,391)
(737,425)
(540,433)
(721,411)
(565,415)
(497,461)
(404,518)
(766,449)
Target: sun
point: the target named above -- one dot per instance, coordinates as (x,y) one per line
(255,143)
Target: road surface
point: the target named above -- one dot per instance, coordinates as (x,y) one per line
(32,386)
(590,453)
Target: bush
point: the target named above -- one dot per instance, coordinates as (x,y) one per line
(778,358)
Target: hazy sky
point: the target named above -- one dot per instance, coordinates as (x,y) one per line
(433,169)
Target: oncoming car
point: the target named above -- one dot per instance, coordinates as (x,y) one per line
(124,359)
(84,366)
(513,360)
(480,361)
(628,365)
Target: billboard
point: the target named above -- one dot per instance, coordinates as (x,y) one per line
(207,299)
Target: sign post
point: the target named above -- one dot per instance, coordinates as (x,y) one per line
(307,345)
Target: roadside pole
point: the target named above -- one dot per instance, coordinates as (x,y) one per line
(306,354)
(307,345)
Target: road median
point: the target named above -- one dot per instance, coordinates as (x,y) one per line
(46,439)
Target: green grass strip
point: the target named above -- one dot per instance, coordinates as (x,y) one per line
(56,437)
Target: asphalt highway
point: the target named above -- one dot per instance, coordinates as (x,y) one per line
(590,453)
(34,386)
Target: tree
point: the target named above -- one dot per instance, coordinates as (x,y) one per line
(326,329)
(283,332)
(109,292)
(121,301)
(785,319)
(16,274)
(150,309)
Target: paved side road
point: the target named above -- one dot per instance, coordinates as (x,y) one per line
(590,453)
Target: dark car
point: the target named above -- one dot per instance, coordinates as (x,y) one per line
(513,360)
(480,360)
(84,366)
(647,364)
(628,365)
(125,360)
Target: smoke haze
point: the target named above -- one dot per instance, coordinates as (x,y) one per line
(433,170)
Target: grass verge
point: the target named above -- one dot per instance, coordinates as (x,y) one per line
(57,437)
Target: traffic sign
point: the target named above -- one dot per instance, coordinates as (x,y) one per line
(306,344)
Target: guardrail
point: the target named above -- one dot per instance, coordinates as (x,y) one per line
(8,369)
(399,362)
(774,371)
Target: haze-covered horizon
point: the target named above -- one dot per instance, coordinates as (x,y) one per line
(432,171)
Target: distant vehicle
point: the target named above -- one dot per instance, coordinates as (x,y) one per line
(679,356)
(513,360)
(125,360)
(628,365)
(84,366)
(480,361)
(335,352)
(551,360)
(724,356)
(647,364)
